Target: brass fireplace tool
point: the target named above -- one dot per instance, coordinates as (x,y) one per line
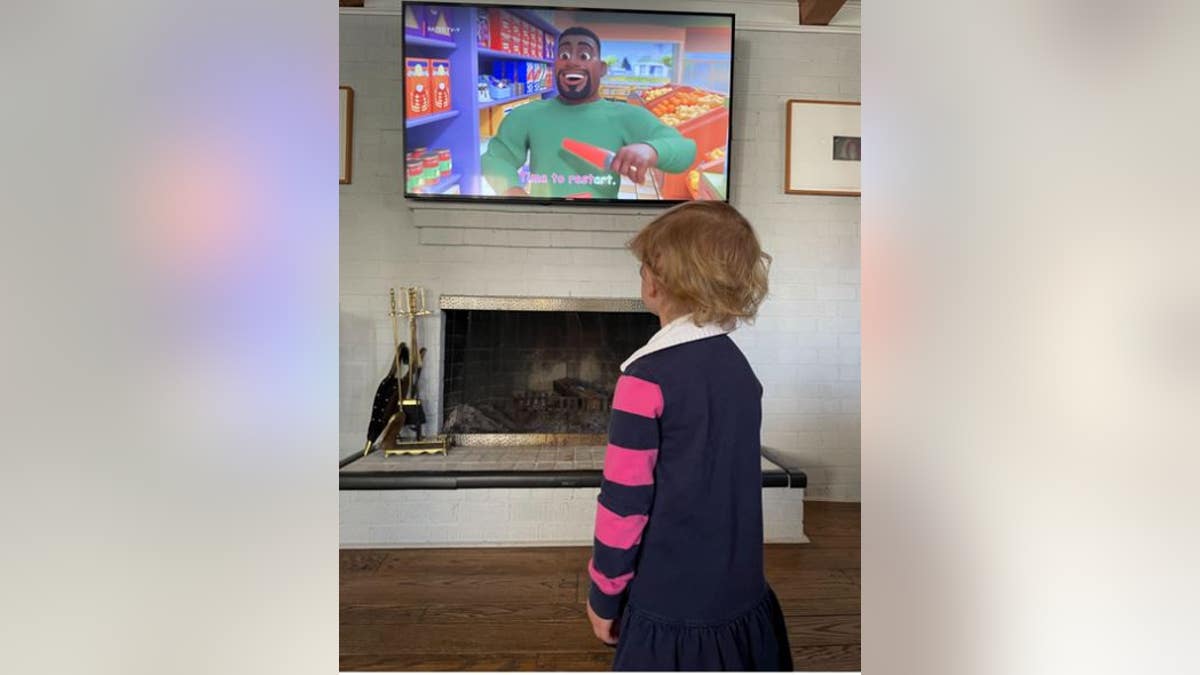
(398,414)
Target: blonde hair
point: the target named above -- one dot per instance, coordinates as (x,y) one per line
(707,258)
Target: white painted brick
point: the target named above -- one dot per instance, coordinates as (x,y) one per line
(570,239)
(441,236)
(844,292)
(804,349)
(528,238)
(614,240)
(482,237)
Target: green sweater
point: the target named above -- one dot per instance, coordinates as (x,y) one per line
(539,128)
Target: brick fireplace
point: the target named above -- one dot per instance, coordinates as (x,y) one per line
(526,385)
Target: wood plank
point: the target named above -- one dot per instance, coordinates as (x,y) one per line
(356,615)
(438,661)
(480,637)
(593,661)
(409,563)
(805,585)
(460,613)
(816,631)
(364,561)
(583,586)
(783,558)
(827,658)
(508,589)
(821,606)
(819,12)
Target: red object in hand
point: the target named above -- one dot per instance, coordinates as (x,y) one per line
(597,157)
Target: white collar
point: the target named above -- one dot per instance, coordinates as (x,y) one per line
(677,332)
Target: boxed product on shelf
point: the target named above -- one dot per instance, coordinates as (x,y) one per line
(438,20)
(414,21)
(483,30)
(416,86)
(508,76)
(502,26)
(439,84)
(536,76)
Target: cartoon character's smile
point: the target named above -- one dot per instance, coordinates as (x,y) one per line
(574,79)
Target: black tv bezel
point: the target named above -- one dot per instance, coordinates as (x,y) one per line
(543,201)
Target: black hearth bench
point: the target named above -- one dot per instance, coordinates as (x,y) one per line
(428,473)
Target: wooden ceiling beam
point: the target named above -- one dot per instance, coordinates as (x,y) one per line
(819,12)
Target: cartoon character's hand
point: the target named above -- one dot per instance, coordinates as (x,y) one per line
(635,161)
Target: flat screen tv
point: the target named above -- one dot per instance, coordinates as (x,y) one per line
(529,104)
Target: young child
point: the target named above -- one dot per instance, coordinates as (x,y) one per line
(678,554)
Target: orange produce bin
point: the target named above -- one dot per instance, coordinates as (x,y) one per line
(709,129)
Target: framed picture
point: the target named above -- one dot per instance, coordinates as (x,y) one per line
(346,133)
(824,148)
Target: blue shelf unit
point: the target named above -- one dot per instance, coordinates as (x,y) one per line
(429,119)
(496,54)
(458,128)
(501,101)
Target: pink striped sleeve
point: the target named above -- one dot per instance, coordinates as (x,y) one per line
(611,586)
(637,396)
(618,531)
(629,467)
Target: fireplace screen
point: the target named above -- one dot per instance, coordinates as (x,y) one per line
(536,371)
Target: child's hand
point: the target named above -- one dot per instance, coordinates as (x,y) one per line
(605,629)
(635,161)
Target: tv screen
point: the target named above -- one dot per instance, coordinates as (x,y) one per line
(510,103)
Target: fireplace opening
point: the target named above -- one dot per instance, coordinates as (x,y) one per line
(535,370)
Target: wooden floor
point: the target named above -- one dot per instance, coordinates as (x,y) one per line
(523,608)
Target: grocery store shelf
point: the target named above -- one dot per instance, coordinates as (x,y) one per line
(483,105)
(436,117)
(497,54)
(534,19)
(417,41)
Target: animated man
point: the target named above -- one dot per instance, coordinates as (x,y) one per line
(578,143)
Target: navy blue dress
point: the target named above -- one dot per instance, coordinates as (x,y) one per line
(678,553)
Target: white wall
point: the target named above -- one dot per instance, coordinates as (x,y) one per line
(805,345)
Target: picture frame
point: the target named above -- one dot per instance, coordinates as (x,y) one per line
(823,154)
(346,133)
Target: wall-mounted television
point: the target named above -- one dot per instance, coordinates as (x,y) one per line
(520,104)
